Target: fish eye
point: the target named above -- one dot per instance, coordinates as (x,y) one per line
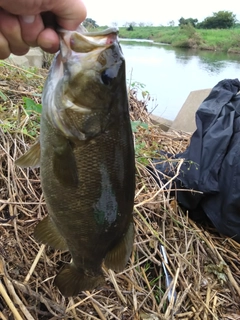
(106,79)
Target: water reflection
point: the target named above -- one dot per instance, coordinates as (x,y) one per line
(210,61)
(171,73)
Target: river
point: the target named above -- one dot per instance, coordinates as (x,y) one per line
(170,74)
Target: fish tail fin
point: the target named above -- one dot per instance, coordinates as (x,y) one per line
(70,280)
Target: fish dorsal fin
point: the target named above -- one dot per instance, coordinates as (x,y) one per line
(117,258)
(71,280)
(47,233)
(31,158)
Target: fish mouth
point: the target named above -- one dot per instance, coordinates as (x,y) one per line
(75,45)
(84,42)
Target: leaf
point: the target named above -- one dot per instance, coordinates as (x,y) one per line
(3,96)
(217,270)
(136,124)
(138,85)
(31,106)
(144,125)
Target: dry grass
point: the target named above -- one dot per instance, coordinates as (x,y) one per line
(200,280)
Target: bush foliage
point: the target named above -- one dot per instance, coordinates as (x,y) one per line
(219,20)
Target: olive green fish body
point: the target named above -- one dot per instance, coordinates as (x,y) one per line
(97,203)
(87,162)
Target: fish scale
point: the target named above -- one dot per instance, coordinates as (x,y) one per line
(86,158)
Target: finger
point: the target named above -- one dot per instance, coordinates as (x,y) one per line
(48,40)
(21,7)
(70,13)
(31,27)
(10,29)
(4,48)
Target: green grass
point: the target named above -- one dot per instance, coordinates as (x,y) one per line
(150,33)
(20,106)
(221,39)
(227,40)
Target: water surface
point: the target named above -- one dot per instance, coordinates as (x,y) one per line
(170,74)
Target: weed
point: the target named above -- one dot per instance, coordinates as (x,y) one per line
(31,106)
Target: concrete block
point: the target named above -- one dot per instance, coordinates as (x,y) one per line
(185,119)
(163,123)
(35,57)
(20,61)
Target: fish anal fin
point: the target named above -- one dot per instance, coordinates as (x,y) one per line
(70,280)
(31,158)
(117,258)
(47,233)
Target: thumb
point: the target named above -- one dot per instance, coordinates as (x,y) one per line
(69,14)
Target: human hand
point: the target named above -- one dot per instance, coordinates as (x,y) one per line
(28,23)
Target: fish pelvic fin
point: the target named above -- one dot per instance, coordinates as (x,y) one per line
(47,233)
(70,280)
(117,258)
(31,158)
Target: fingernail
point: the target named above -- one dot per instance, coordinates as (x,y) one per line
(28,19)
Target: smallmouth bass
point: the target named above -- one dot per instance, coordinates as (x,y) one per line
(86,158)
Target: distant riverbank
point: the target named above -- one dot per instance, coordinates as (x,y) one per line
(226,40)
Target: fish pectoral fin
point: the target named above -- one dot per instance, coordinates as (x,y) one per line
(70,280)
(31,158)
(47,233)
(117,258)
(64,165)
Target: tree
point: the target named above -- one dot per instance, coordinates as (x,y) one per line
(129,25)
(90,23)
(184,22)
(171,23)
(133,24)
(130,28)
(219,20)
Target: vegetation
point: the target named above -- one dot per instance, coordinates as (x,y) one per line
(227,40)
(184,22)
(90,23)
(221,32)
(219,20)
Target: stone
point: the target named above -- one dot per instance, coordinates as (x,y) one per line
(185,119)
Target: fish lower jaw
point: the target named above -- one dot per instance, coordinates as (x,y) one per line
(77,107)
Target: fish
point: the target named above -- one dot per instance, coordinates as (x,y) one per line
(86,158)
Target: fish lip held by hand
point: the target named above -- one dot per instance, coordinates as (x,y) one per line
(86,158)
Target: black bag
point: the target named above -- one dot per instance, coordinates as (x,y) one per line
(212,161)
